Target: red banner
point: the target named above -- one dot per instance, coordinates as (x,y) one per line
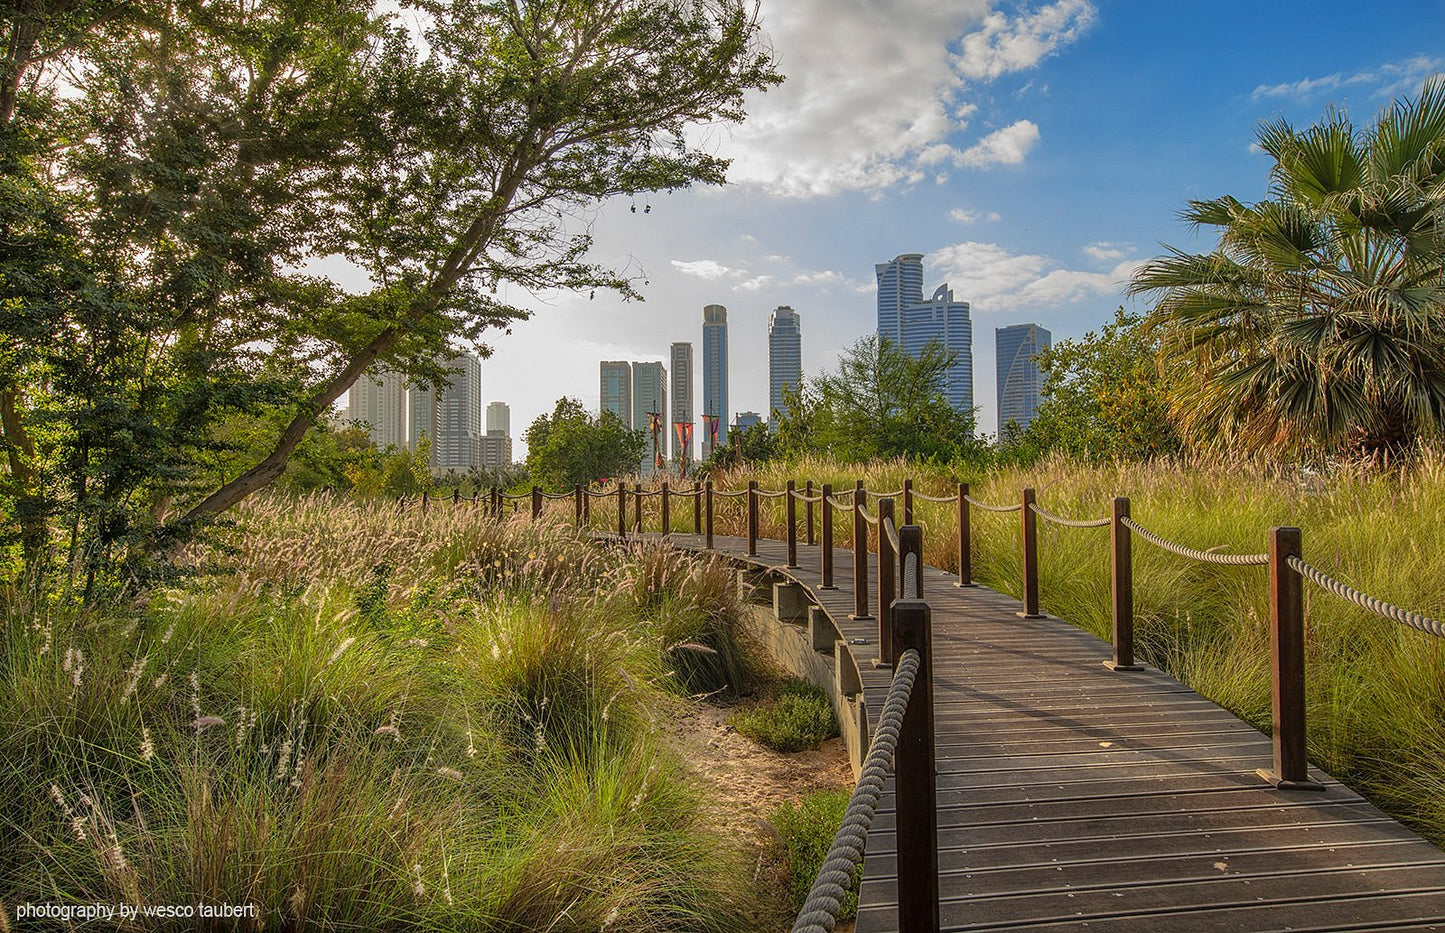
(684,435)
(654,422)
(711,422)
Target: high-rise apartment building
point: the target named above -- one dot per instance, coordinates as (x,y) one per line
(421,418)
(617,390)
(912,322)
(714,374)
(649,395)
(378,400)
(499,419)
(682,410)
(785,358)
(458,415)
(1020,378)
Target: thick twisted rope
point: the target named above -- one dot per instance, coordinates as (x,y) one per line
(886,495)
(825,899)
(927,498)
(1048,516)
(1414,620)
(892,535)
(910,575)
(729,495)
(1208,557)
(846,506)
(994,508)
(778,494)
(867,516)
(806,498)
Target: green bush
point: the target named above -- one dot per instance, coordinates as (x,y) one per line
(805,833)
(795,717)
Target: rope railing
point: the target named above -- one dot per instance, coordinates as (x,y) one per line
(927,498)
(730,494)
(867,516)
(845,506)
(987,507)
(1207,557)
(892,532)
(802,497)
(1414,620)
(772,494)
(825,898)
(911,575)
(1048,516)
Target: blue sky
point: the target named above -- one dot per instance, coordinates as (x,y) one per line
(1034,152)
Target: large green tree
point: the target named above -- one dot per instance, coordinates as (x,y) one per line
(569,446)
(1316,325)
(880,402)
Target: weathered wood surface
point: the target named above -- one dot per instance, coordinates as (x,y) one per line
(1072,797)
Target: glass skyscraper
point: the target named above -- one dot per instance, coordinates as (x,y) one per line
(1020,378)
(912,322)
(714,374)
(785,358)
(649,394)
(682,409)
(617,390)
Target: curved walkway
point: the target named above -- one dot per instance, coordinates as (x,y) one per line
(1072,797)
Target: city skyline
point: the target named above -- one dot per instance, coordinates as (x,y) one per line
(1020,378)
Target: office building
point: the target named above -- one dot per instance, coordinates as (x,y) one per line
(714,374)
(1020,378)
(912,322)
(746,419)
(494,452)
(649,395)
(458,418)
(617,390)
(785,359)
(499,419)
(682,410)
(421,418)
(378,401)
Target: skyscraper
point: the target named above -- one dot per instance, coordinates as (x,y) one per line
(682,410)
(617,390)
(378,400)
(649,394)
(1020,378)
(912,322)
(714,373)
(785,358)
(458,415)
(499,419)
(421,418)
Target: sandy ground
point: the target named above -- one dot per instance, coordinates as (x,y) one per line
(749,781)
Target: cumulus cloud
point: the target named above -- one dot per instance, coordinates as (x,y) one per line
(992,279)
(965,216)
(703,268)
(875,94)
(1007,44)
(1389,78)
(1106,252)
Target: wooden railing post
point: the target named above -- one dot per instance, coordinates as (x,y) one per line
(457,496)
(916,810)
(1287,644)
(666,510)
(536,502)
(908,502)
(707,539)
(587,504)
(425,502)
(696,507)
(577,497)
(965,539)
(752,518)
(792,513)
(887,584)
(637,507)
(860,556)
(492,502)
(1123,573)
(621,509)
(1030,557)
(808,512)
(827,531)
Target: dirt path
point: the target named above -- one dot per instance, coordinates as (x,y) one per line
(748,782)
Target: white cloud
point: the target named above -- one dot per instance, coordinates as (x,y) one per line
(703,268)
(1007,44)
(965,216)
(873,92)
(1388,79)
(1106,252)
(992,279)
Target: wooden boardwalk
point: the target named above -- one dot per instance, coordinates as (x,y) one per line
(1072,797)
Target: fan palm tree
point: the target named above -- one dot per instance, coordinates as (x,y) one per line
(1318,321)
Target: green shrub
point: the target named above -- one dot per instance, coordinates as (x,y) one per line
(795,717)
(805,833)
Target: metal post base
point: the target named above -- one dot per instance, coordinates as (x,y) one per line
(1272,776)
(1116,666)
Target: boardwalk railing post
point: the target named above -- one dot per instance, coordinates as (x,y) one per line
(827,532)
(808,512)
(887,584)
(587,504)
(1030,557)
(792,513)
(913,767)
(1287,644)
(577,497)
(1123,573)
(908,502)
(637,507)
(707,529)
(860,555)
(752,518)
(425,501)
(536,502)
(696,507)
(965,539)
(666,510)
(457,496)
(621,509)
